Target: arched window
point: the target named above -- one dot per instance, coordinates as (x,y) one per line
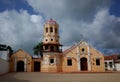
(52,48)
(51,60)
(46,47)
(57,48)
(46,29)
(51,29)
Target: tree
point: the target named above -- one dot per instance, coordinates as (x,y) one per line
(10,50)
(38,49)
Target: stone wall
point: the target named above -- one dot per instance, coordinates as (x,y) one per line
(4,66)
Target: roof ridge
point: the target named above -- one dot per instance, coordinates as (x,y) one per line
(69,49)
(21,50)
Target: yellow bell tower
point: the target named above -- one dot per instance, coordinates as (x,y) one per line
(51,48)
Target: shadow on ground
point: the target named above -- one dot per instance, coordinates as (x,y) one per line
(59,77)
(10,78)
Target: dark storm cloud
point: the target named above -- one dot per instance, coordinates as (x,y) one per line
(84,10)
(109,32)
(69,9)
(87,19)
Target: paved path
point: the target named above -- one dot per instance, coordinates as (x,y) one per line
(60,77)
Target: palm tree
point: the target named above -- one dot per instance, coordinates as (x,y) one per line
(38,49)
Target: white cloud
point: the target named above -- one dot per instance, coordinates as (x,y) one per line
(77,19)
(80,18)
(66,9)
(36,18)
(20,30)
(103,31)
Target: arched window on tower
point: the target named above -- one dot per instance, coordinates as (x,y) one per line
(55,30)
(52,48)
(51,29)
(46,29)
(57,48)
(46,47)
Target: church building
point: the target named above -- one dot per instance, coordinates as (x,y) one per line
(82,57)
(79,57)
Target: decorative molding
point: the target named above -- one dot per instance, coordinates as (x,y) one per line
(69,56)
(98,57)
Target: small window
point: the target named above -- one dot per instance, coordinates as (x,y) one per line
(105,64)
(83,49)
(69,62)
(97,61)
(51,29)
(46,40)
(51,60)
(46,47)
(51,39)
(46,30)
(110,64)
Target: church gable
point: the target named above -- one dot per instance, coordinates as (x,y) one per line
(21,53)
(95,52)
(85,48)
(70,52)
(82,57)
(20,61)
(79,48)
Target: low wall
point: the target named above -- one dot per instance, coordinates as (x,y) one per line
(4,66)
(117,66)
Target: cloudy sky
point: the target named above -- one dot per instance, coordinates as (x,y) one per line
(96,21)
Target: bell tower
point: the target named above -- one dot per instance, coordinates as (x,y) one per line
(51,48)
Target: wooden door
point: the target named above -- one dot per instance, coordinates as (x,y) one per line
(84,66)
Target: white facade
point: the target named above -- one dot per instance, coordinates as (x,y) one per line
(4,66)
(109,65)
(4,54)
(117,65)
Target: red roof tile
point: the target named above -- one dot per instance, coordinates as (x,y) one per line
(51,21)
(110,57)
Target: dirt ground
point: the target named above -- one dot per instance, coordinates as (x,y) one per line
(60,77)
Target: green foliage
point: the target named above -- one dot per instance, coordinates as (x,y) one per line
(38,49)
(10,50)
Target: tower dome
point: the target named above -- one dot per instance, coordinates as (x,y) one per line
(51,21)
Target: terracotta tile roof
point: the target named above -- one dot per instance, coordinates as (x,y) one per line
(51,21)
(110,57)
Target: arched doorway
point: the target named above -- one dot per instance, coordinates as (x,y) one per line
(20,66)
(83,62)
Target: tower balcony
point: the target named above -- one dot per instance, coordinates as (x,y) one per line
(60,50)
(52,48)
